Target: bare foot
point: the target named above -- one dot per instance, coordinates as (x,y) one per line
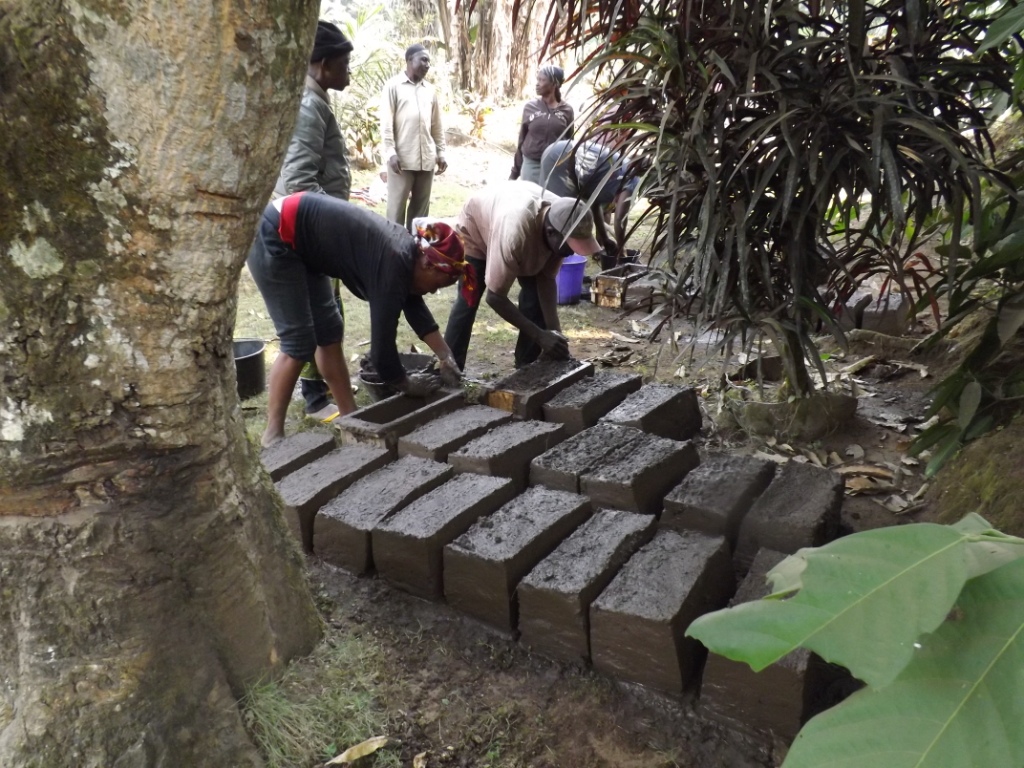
(269,439)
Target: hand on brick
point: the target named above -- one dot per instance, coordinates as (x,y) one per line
(419,385)
(554,344)
(450,373)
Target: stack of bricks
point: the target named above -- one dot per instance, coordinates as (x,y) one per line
(596,535)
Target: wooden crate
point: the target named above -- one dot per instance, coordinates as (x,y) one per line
(610,288)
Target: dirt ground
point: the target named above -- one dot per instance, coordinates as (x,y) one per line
(467,696)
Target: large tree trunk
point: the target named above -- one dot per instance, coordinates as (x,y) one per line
(145,572)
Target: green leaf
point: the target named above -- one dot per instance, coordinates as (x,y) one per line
(958,704)
(1011,316)
(1010,23)
(865,601)
(970,399)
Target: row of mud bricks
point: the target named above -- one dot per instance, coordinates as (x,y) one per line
(571,509)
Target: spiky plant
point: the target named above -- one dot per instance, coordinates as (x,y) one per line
(788,144)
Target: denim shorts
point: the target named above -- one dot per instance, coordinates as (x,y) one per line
(301,303)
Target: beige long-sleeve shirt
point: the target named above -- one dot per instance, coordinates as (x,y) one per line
(410,123)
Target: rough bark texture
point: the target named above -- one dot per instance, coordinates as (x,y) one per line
(497,56)
(146,574)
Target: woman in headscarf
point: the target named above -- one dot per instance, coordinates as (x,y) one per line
(546,119)
(305,239)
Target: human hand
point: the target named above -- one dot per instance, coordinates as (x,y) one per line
(554,344)
(419,385)
(394,165)
(442,164)
(383,173)
(450,373)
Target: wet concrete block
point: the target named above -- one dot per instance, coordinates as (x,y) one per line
(561,467)
(715,496)
(800,508)
(445,434)
(777,700)
(507,451)
(298,450)
(660,409)
(483,566)
(554,599)
(581,405)
(384,422)
(638,476)
(344,525)
(637,625)
(525,391)
(307,489)
(408,547)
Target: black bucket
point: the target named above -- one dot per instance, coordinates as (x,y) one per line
(249,367)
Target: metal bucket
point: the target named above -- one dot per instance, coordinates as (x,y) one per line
(250,370)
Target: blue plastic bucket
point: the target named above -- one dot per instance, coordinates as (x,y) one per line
(570,279)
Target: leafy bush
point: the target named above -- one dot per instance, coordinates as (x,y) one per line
(788,142)
(931,617)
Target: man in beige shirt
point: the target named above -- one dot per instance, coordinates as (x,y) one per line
(517,231)
(410,126)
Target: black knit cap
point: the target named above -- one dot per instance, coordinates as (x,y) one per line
(329,42)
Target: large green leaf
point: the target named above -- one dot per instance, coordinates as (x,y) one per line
(958,704)
(863,602)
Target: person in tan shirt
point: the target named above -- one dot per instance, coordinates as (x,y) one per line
(413,138)
(515,231)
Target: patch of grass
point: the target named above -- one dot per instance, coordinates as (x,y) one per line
(320,707)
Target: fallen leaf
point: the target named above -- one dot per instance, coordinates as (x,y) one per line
(362,749)
(910,461)
(680,372)
(420,761)
(624,339)
(771,457)
(859,484)
(868,470)
(786,447)
(801,460)
(835,459)
(813,457)
(771,440)
(854,451)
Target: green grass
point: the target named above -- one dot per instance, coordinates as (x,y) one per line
(320,707)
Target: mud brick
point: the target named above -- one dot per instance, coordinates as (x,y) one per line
(586,401)
(307,489)
(778,699)
(638,476)
(483,566)
(291,453)
(800,508)
(445,434)
(715,496)
(344,524)
(637,625)
(507,451)
(660,409)
(384,422)
(525,391)
(554,599)
(561,467)
(408,547)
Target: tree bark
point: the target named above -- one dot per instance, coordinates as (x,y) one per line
(146,574)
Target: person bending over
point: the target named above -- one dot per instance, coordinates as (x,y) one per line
(516,231)
(305,239)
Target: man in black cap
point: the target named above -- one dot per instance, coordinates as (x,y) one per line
(515,231)
(413,138)
(317,161)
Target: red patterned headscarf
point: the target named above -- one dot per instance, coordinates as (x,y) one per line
(444,251)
